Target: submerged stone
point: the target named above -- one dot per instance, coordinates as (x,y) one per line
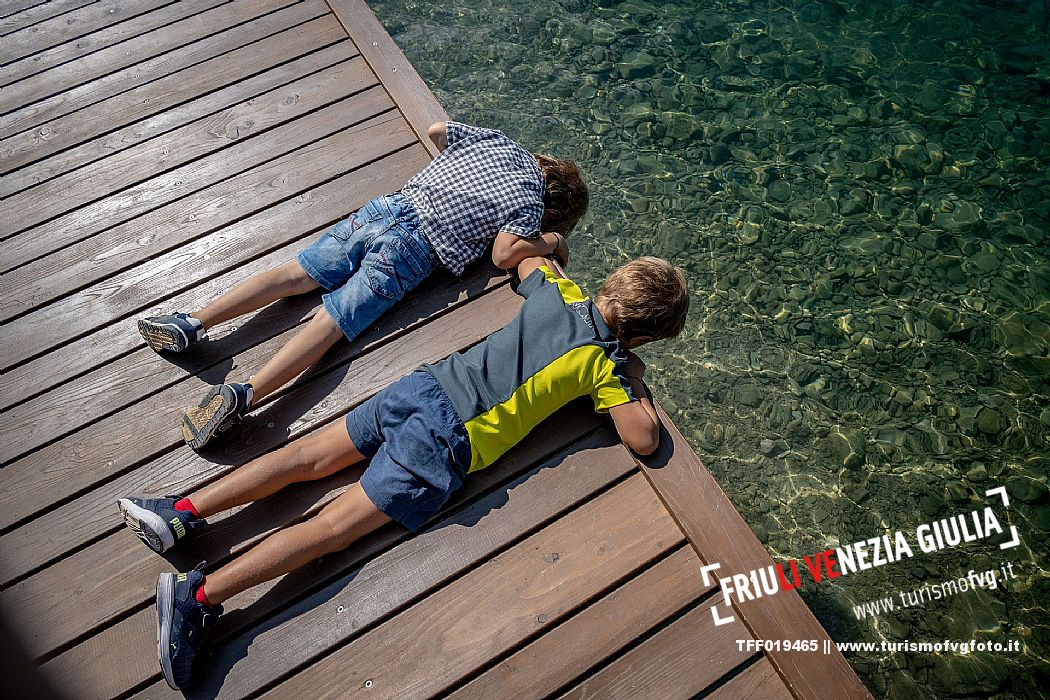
(857,202)
(912,158)
(847,446)
(638,64)
(772,448)
(990,421)
(1028,490)
(779,191)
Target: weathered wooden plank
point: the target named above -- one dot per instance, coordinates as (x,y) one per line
(317,208)
(666,665)
(126,218)
(11,7)
(164,229)
(588,638)
(523,591)
(133,47)
(75,233)
(413,97)
(114,181)
(758,681)
(72,25)
(160,125)
(126,380)
(469,529)
(120,97)
(692,494)
(34,12)
(328,394)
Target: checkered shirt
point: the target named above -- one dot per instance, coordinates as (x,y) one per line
(481,184)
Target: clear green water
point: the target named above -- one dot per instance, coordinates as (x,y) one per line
(860,195)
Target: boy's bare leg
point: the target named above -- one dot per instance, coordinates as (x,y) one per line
(256,292)
(347,518)
(297,355)
(314,456)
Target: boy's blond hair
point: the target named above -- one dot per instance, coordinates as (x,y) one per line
(565,198)
(645,297)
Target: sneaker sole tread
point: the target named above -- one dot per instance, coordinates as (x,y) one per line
(203,422)
(160,337)
(147,525)
(165,616)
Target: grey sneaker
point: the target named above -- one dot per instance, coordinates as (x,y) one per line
(172,332)
(223,405)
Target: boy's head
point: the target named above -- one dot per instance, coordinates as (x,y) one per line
(644,300)
(565,199)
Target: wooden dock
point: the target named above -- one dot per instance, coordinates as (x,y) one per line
(155,153)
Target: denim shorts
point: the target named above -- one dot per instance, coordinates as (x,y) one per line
(369,261)
(419,448)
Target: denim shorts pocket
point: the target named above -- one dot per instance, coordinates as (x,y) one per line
(395,268)
(370,213)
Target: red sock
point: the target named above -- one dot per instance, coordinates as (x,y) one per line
(200,595)
(184,504)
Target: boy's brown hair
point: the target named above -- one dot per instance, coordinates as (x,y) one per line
(645,297)
(566,198)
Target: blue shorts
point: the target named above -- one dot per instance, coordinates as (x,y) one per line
(369,262)
(419,448)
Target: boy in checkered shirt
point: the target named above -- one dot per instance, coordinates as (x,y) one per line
(481,188)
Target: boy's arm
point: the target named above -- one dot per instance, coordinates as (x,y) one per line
(509,250)
(636,422)
(529,265)
(437,132)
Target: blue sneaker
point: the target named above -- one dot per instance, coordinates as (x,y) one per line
(156,521)
(181,624)
(221,407)
(172,332)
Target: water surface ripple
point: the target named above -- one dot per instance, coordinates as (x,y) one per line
(860,195)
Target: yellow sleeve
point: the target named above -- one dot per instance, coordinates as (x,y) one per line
(611,387)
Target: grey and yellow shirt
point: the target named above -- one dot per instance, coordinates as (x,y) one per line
(557,349)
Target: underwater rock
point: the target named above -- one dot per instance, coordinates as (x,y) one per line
(857,202)
(1027,490)
(977,473)
(1041,517)
(931,504)
(637,113)
(638,64)
(713,434)
(750,395)
(941,317)
(603,35)
(779,191)
(990,421)
(679,125)
(956,491)
(638,204)
(877,170)
(772,448)
(1017,335)
(847,446)
(960,216)
(912,158)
